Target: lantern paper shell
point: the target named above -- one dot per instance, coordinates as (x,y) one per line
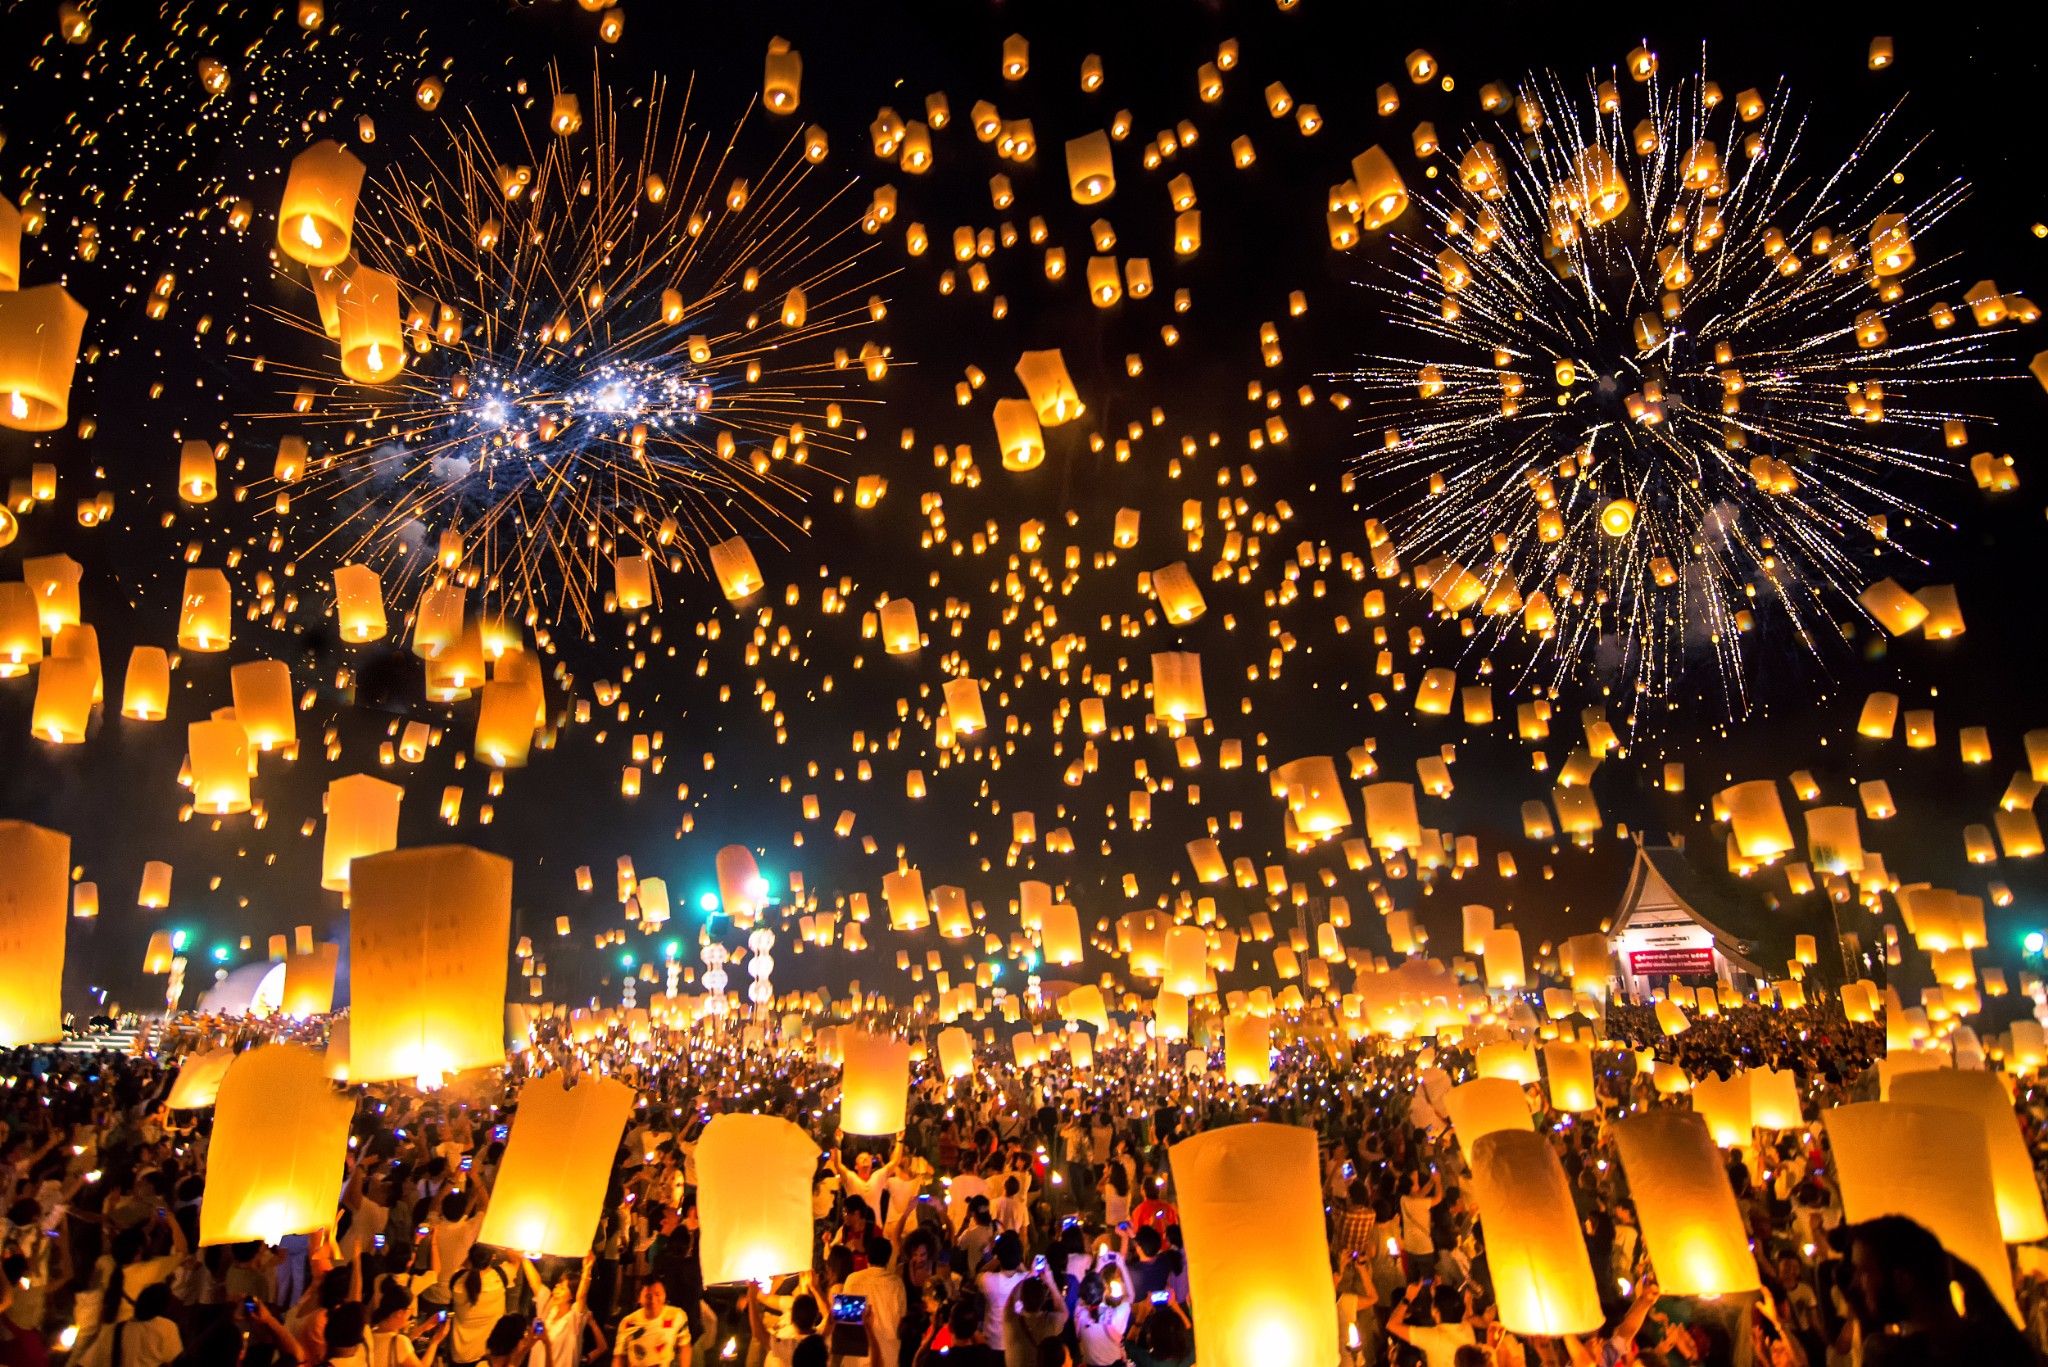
(362,819)
(219,756)
(1543,1282)
(1018,434)
(1774,1099)
(280,1146)
(40,330)
(372,327)
(1180,597)
(318,212)
(740,885)
(1247,1050)
(732,564)
(1090,177)
(35,888)
(146,690)
(1569,1069)
(359,603)
(549,1193)
(1758,819)
(875,1087)
(1060,936)
(263,702)
(956,1052)
(199,1079)
(2020,1215)
(1928,1163)
(1725,1107)
(309,982)
(1690,1221)
(206,613)
(1251,1212)
(754,1198)
(1485,1106)
(1391,822)
(1503,954)
(428,930)
(1051,389)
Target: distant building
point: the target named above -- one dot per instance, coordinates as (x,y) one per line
(1673,923)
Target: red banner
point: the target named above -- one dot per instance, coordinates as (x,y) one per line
(1643,962)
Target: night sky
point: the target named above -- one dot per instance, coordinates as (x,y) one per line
(119,132)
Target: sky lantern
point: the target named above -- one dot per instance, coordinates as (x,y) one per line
(63,702)
(1503,953)
(875,1086)
(1060,937)
(504,724)
(199,1079)
(362,819)
(1180,597)
(1690,1222)
(1251,1211)
(372,327)
(219,755)
(1391,822)
(1758,819)
(742,892)
(1382,195)
(1186,960)
(1314,796)
(1486,1105)
(428,930)
(1569,1070)
(2021,1218)
(309,981)
(1018,434)
(280,1148)
(754,1198)
(963,704)
(1726,1108)
(1896,610)
(1774,1098)
(903,890)
(1050,388)
(1928,1163)
(146,690)
(549,1192)
(263,702)
(359,603)
(1247,1049)
(782,78)
(35,887)
(1090,176)
(21,631)
(956,1052)
(1543,1283)
(40,329)
(10,245)
(206,613)
(198,472)
(732,564)
(317,215)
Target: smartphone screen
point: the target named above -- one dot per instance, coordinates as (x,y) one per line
(849,1309)
(1161,1297)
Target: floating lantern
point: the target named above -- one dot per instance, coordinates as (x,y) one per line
(732,564)
(782,79)
(875,1087)
(318,212)
(40,329)
(263,702)
(359,603)
(197,472)
(1543,1284)
(2021,1218)
(362,819)
(426,934)
(549,1192)
(1931,1164)
(1570,1075)
(199,1079)
(1726,1108)
(279,1150)
(754,1197)
(35,884)
(309,981)
(1018,434)
(1247,1050)
(1690,1222)
(218,752)
(1090,177)
(1486,1105)
(372,327)
(1052,392)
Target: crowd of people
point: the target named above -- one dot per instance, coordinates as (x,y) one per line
(1023,1217)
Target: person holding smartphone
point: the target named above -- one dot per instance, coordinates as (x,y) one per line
(1036,1312)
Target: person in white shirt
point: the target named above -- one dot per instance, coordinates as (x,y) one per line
(997,1283)
(564,1313)
(1101,1317)
(655,1335)
(888,1303)
(1439,1342)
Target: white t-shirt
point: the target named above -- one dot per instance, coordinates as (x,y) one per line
(868,1189)
(887,1304)
(1440,1342)
(1100,1332)
(1415,1237)
(653,1340)
(997,1285)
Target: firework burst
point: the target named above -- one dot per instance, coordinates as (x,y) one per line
(1670,387)
(618,342)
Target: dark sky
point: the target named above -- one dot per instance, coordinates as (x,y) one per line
(138,150)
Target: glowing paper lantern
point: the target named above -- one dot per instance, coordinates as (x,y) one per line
(156,885)
(263,702)
(1758,819)
(875,1087)
(1774,1099)
(1177,687)
(40,330)
(1180,597)
(428,930)
(35,886)
(146,691)
(782,77)
(1726,1108)
(504,724)
(754,1198)
(1690,1223)
(963,705)
(1051,389)
(1247,1050)
(1018,434)
(1090,177)
(1382,195)
(206,613)
(1478,924)
(309,981)
(359,603)
(1251,1211)
(1671,1018)
(1391,822)
(1085,1004)
(362,819)
(219,756)
(21,626)
(280,1145)
(549,1192)
(63,702)
(1485,1106)
(372,327)
(199,1078)
(732,564)
(1928,1163)
(319,208)
(1543,1283)
(198,480)
(1187,962)
(1570,1075)
(741,889)
(956,1052)
(1503,954)
(1896,610)
(2021,1218)
(1060,936)
(1314,796)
